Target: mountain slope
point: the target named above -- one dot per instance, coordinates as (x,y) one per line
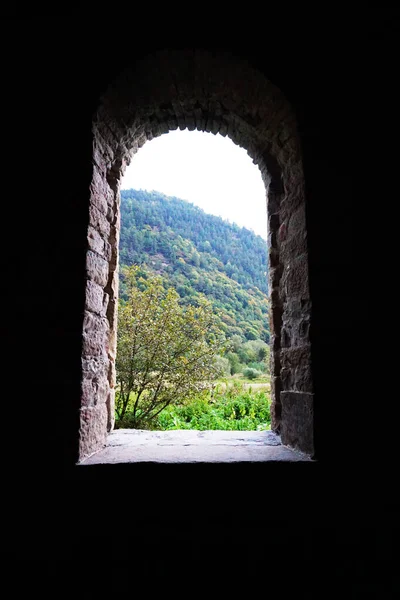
(198,253)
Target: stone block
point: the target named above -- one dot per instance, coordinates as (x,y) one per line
(94,298)
(295,277)
(303,381)
(98,189)
(292,248)
(94,390)
(287,378)
(99,221)
(95,368)
(97,268)
(296,357)
(275,274)
(93,429)
(297,222)
(297,422)
(95,241)
(95,336)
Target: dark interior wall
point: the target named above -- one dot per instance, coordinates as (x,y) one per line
(53,74)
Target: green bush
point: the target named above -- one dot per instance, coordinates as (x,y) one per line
(228,408)
(250,373)
(259,366)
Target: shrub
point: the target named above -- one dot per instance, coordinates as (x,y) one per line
(250,373)
(233,408)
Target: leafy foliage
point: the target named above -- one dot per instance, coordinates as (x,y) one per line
(251,373)
(166,353)
(230,408)
(197,253)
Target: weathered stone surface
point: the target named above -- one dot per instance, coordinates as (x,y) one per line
(93,429)
(273,201)
(99,221)
(95,298)
(276,416)
(294,198)
(107,252)
(294,357)
(112,314)
(275,343)
(286,335)
(111,373)
(275,409)
(275,362)
(94,390)
(275,299)
(110,402)
(293,247)
(303,328)
(297,425)
(97,268)
(99,199)
(95,367)
(303,381)
(297,222)
(273,222)
(275,275)
(106,299)
(295,277)
(213,93)
(96,242)
(130,446)
(275,320)
(273,255)
(287,378)
(95,336)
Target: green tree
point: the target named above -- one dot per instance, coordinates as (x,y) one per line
(223,366)
(234,361)
(165,352)
(251,373)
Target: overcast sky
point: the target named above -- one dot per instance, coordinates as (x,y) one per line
(205,169)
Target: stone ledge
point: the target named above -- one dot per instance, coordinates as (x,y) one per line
(184,446)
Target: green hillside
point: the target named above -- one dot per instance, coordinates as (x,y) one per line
(197,253)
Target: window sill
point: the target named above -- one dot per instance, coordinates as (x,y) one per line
(189,446)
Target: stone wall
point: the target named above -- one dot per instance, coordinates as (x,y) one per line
(217,94)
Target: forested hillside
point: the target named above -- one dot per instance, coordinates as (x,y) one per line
(197,253)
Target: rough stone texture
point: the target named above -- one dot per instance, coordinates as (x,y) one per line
(297,425)
(93,429)
(131,446)
(96,299)
(95,336)
(276,409)
(215,93)
(97,268)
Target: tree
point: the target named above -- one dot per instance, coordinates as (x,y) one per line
(223,366)
(165,352)
(251,373)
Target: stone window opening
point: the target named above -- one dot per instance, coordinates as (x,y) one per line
(216,94)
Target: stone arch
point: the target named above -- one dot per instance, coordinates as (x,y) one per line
(217,93)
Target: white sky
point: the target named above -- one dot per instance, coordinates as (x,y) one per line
(205,169)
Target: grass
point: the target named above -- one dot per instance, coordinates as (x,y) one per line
(232,406)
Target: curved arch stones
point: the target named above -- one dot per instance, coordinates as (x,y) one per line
(217,93)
